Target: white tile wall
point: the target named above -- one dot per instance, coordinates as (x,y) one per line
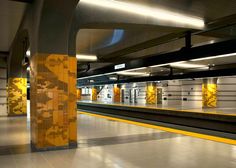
(226,94)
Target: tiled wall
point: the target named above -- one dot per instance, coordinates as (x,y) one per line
(181,93)
(106,94)
(3,91)
(192,93)
(141,89)
(53,101)
(226,92)
(172,93)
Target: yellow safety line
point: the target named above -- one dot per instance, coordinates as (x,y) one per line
(192,134)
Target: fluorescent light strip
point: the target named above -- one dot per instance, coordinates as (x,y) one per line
(186,65)
(81,57)
(157,13)
(133,73)
(135,69)
(160,65)
(212,57)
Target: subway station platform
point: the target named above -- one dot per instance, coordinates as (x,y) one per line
(206,122)
(231,111)
(105,142)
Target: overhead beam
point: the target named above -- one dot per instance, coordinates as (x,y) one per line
(230,71)
(185,54)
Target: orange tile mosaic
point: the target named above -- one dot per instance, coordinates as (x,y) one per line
(53,101)
(79,92)
(94,94)
(116,93)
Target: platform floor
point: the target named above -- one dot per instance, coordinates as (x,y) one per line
(111,144)
(227,111)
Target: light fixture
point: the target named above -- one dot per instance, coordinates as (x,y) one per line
(113,78)
(28,53)
(212,57)
(28,68)
(160,65)
(156,13)
(135,69)
(186,65)
(81,57)
(125,73)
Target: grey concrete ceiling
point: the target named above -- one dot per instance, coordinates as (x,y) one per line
(11,14)
(96,41)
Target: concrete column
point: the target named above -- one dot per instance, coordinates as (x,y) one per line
(79,91)
(209,93)
(53,101)
(116,93)
(151,95)
(94,95)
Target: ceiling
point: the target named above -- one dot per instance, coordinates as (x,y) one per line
(121,45)
(11,14)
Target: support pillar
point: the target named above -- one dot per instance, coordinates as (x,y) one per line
(209,93)
(79,94)
(94,94)
(53,102)
(17,96)
(116,93)
(151,95)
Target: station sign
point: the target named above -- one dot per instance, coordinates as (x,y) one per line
(119,66)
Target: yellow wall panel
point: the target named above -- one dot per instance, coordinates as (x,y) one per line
(94,94)
(79,92)
(116,94)
(17,96)
(151,95)
(209,95)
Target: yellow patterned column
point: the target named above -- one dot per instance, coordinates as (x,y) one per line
(53,101)
(79,94)
(209,93)
(94,94)
(151,95)
(17,96)
(116,94)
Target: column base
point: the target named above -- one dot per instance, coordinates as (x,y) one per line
(72,145)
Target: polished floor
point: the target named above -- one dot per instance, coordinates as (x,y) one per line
(110,144)
(226,111)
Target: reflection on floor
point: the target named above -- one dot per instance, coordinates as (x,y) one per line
(109,144)
(227,111)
